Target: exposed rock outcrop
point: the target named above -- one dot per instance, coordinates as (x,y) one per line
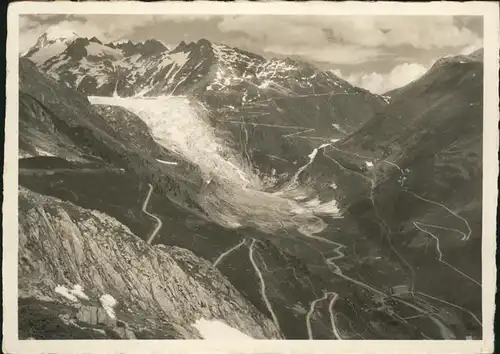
(95,315)
(60,243)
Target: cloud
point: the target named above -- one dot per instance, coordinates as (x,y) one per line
(370,31)
(53,19)
(474,23)
(356,39)
(473,47)
(306,37)
(30,32)
(340,54)
(379,42)
(100,26)
(399,76)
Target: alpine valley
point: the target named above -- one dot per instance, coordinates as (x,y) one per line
(166,190)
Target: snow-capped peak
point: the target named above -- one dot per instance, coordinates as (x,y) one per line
(56,34)
(59,33)
(120,41)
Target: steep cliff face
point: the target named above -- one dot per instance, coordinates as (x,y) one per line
(157,288)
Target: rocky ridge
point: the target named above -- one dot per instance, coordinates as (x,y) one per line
(155,286)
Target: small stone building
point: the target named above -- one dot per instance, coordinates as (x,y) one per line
(400,289)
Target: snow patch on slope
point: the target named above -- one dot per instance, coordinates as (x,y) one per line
(108,303)
(180,58)
(215,329)
(78,292)
(99,50)
(41,152)
(311,156)
(63,291)
(327,208)
(167,162)
(72,294)
(47,52)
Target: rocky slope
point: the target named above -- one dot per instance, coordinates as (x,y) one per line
(65,137)
(158,289)
(64,124)
(198,68)
(420,162)
(287,105)
(243,171)
(115,164)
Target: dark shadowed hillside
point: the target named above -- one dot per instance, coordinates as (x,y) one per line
(425,149)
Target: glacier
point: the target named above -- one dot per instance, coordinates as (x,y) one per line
(233,194)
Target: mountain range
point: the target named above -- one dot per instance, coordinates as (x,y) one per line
(207,182)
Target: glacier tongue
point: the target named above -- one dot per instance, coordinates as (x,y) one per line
(179,127)
(233,194)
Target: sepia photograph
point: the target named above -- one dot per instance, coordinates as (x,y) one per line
(252,176)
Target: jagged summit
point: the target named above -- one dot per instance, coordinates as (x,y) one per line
(203,41)
(201,68)
(95,40)
(184,47)
(145,48)
(57,33)
(53,36)
(180,47)
(118,42)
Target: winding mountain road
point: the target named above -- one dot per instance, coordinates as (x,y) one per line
(419,225)
(262,285)
(465,236)
(386,228)
(446,333)
(456,306)
(157,219)
(312,307)
(332,316)
(224,254)
(310,313)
